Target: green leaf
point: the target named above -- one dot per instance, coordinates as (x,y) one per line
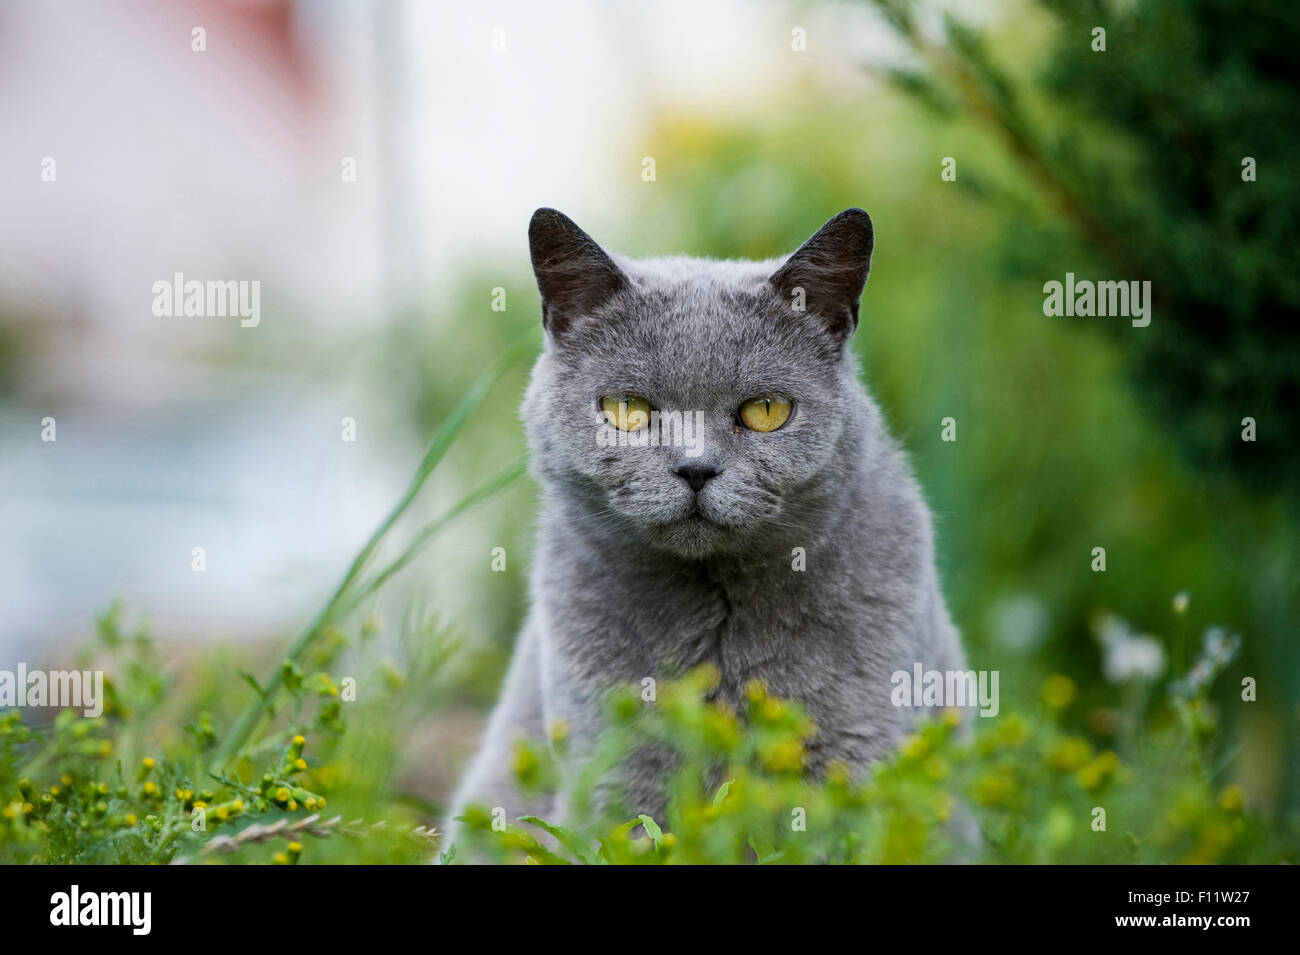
(617,835)
(652,829)
(567,838)
(762,849)
(252,681)
(536,849)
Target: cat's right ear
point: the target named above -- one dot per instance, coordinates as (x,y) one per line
(574,274)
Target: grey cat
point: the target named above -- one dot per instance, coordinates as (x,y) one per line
(786,541)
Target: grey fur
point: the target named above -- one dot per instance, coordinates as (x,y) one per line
(627,585)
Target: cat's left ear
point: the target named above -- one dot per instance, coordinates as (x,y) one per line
(828,272)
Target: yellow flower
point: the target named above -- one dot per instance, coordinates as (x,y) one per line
(1090,776)
(994,789)
(772,710)
(1013,731)
(1059,691)
(1094,773)
(915,746)
(785,756)
(723,726)
(1232,799)
(708,676)
(559,731)
(525,764)
(1069,754)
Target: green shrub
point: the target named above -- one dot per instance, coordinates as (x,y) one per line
(78,790)
(173,771)
(1022,788)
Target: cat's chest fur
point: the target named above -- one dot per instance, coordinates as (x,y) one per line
(823,622)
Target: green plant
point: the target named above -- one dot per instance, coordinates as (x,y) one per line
(1022,788)
(126,787)
(1159,149)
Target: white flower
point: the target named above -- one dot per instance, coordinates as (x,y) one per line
(1129,656)
(1221,648)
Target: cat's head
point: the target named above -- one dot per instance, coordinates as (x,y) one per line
(696,406)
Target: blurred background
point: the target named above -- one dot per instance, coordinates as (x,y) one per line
(374,166)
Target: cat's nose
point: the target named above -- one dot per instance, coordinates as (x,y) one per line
(696,475)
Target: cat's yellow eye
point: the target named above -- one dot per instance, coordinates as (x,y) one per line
(626,412)
(765,413)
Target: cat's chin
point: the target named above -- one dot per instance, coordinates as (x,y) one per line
(693,536)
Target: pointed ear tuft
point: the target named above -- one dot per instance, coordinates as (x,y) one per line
(831,268)
(574,274)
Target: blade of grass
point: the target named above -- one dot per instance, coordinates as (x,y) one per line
(331,611)
(512,473)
